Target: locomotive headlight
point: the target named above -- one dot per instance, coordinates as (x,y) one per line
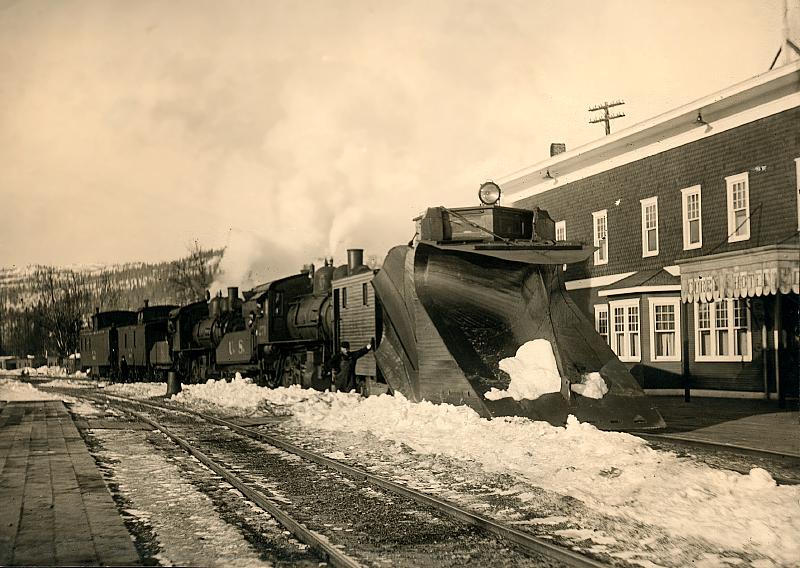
(489,193)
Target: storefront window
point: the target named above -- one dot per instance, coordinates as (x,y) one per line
(726,335)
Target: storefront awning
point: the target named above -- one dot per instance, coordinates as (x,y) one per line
(741,274)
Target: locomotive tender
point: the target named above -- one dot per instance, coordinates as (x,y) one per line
(474,285)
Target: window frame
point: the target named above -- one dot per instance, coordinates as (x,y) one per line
(344,297)
(596,216)
(602,309)
(730,182)
(626,306)
(797,188)
(364,294)
(645,204)
(562,227)
(675,302)
(685,194)
(731,328)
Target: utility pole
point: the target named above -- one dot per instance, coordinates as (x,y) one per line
(607,117)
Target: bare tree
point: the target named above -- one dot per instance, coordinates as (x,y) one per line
(106,292)
(63,299)
(192,275)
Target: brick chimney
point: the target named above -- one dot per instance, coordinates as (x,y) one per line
(557,148)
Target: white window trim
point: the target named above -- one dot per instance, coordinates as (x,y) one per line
(676,302)
(797,189)
(596,215)
(685,193)
(729,181)
(563,226)
(598,308)
(625,304)
(645,203)
(732,338)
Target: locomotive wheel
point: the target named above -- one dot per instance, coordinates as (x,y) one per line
(292,371)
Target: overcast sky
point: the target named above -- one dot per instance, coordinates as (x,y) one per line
(291,129)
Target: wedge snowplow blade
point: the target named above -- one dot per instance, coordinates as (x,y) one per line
(451,314)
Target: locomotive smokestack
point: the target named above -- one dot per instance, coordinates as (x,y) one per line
(233,295)
(355,258)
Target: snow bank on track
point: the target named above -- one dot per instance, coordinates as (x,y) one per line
(15,390)
(243,394)
(614,473)
(533,372)
(43,371)
(135,390)
(76,383)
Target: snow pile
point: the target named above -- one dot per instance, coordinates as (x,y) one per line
(135,390)
(72,383)
(14,390)
(43,371)
(242,394)
(592,386)
(614,473)
(533,372)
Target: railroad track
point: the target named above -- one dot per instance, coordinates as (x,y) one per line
(788,463)
(534,546)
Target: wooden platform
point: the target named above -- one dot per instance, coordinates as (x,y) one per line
(55,509)
(754,424)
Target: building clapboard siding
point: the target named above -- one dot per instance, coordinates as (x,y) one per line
(695,217)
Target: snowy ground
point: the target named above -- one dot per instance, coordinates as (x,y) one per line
(614,474)
(161,490)
(744,518)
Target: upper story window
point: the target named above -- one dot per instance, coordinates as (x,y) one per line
(344,297)
(364,294)
(625,341)
(665,329)
(600,231)
(738,207)
(797,189)
(561,231)
(722,331)
(601,320)
(649,226)
(692,222)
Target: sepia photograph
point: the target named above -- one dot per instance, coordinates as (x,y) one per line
(418,284)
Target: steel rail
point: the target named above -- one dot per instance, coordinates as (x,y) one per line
(312,538)
(787,459)
(520,538)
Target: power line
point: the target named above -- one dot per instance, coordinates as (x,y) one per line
(607,116)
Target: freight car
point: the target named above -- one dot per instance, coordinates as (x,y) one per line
(138,336)
(144,345)
(99,343)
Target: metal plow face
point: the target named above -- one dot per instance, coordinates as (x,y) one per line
(451,316)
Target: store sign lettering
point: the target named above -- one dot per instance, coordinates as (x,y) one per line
(727,283)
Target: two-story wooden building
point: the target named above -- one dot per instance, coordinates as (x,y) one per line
(695,217)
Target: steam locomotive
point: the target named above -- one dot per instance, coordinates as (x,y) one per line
(283,332)
(474,285)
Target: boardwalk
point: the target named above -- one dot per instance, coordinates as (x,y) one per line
(56,509)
